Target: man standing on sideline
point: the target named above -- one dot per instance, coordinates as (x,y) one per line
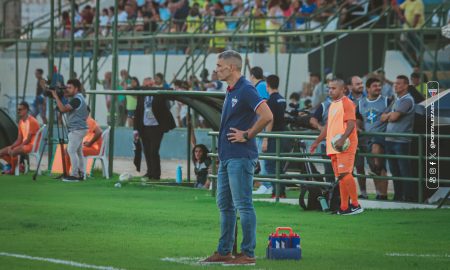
(40,102)
(244,115)
(356,94)
(151,120)
(341,120)
(77,114)
(370,109)
(400,119)
(277,105)
(257,79)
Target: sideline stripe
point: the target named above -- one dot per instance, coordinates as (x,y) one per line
(417,255)
(58,261)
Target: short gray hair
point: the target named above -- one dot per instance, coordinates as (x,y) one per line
(232,55)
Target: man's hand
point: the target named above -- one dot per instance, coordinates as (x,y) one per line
(385,117)
(339,144)
(236,135)
(313,147)
(264,145)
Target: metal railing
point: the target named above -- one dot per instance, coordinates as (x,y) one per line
(279,157)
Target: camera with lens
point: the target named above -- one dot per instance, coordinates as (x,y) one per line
(59,91)
(299,120)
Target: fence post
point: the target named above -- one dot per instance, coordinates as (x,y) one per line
(277,168)
(420,169)
(214,167)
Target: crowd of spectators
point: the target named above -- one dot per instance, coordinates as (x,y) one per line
(218,16)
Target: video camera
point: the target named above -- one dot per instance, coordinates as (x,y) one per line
(299,120)
(59,91)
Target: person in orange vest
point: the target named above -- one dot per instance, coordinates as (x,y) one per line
(28,128)
(341,121)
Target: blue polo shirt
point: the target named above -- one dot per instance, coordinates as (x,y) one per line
(239,111)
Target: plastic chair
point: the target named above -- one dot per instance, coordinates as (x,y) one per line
(102,155)
(39,138)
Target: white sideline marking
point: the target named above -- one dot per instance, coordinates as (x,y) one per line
(184,260)
(417,255)
(58,261)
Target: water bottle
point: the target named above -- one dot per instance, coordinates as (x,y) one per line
(179,176)
(323,203)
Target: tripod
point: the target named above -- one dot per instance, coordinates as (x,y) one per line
(62,134)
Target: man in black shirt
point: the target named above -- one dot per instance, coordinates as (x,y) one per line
(277,105)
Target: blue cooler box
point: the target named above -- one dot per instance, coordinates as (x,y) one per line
(289,249)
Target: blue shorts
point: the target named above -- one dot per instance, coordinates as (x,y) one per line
(376,140)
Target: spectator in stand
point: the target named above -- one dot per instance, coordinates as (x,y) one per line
(307,8)
(274,23)
(320,91)
(218,44)
(179,10)
(151,16)
(132,101)
(356,94)
(215,85)
(386,85)
(125,83)
(104,22)
(66,24)
(258,12)
(400,119)
(28,127)
(413,14)
(369,111)
(160,81)
(421,87)
(40,102)
(107,85)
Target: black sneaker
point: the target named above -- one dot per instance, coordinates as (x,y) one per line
(344,212)
(381,198)
(363,196)
(71,178)
(355,210)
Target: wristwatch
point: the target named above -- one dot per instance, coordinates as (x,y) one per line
(246,136)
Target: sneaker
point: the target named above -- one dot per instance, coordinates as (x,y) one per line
(381,197)
(356,209)
(241,259)
(71,178)
(345,212)
(216,258)
(261,190)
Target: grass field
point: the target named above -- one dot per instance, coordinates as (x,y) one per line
(135,227)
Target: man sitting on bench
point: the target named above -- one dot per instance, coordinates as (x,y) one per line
(28,127)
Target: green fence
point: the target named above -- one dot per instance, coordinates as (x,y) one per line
(307,157)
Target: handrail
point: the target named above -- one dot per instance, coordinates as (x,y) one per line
(279,178)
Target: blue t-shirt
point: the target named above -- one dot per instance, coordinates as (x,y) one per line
(239,111)
(261,87)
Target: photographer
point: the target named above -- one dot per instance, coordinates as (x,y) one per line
(77,113)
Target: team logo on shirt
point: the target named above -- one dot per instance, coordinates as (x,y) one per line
(372,116)
(233,102)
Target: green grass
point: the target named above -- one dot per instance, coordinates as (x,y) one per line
(134,227)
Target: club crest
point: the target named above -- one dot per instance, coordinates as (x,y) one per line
(233,102)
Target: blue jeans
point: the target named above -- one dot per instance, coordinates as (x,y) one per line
(262,163)
(403,190)
(234,191)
